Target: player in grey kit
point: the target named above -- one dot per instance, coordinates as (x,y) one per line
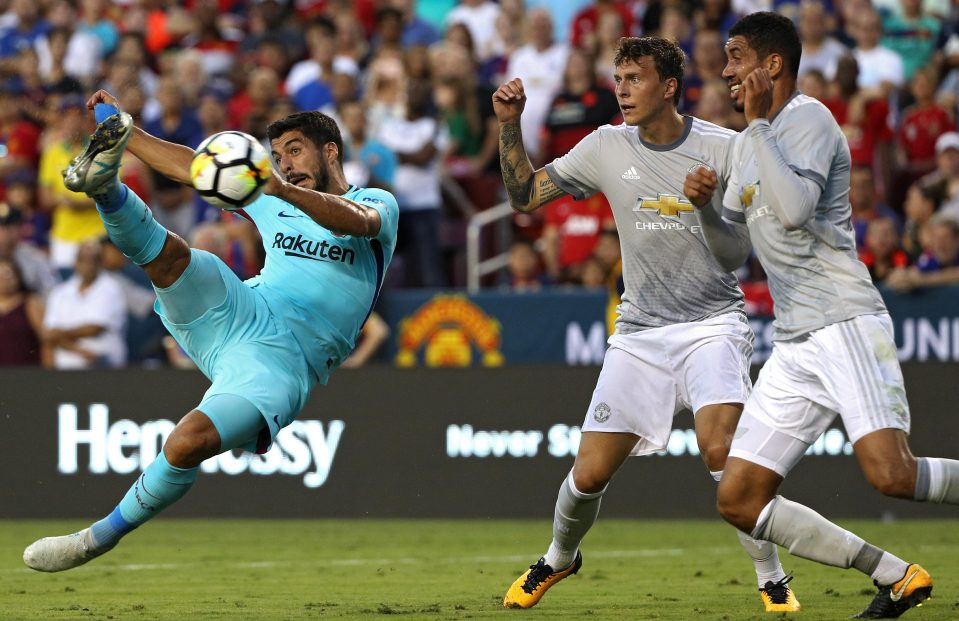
(682,339)
(834,351)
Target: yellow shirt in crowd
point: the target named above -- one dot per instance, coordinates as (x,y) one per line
(69,225)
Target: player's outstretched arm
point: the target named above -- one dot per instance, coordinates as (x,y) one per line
(527,189)
(169,159)
(727,241)
(330,211)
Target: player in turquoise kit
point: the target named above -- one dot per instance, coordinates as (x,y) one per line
(264,343)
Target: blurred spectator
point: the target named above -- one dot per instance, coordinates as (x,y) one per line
(480,17)
(21,319)
(592,275)
(86,316)
(417,142)
(525,274)
(863,116)
(19,139)
(922,124)
(367,162)
(176,123)
(250,110)
(947,94)
(604,51)
(879,67)
(144,330)
(716,107)
(540,64)
(881,253)
(708,61)
(372,336)
(572,227)
(274,19)
(675,25)
(29,29)
(214,38)
(819,50)
(133,53)
(921,204)
(22,197)
(388,34)
(75,218)
(385,93)
(93,20)
(912,35)
(32,264)
(324,60)
(715,15)
(585,24)
(609,254)
(416,31)
(865,207)
(944,181)
(938,264)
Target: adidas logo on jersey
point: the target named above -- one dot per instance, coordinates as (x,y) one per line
(631,173)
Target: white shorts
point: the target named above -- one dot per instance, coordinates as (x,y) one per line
(650,376)
(849,368)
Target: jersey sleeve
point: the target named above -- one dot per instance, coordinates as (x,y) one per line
(577,172)
(732,204)
(802,142)
(385,204)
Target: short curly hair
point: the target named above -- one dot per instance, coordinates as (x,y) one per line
(668,57)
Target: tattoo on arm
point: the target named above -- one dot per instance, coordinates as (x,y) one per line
(517,170)
(548,191)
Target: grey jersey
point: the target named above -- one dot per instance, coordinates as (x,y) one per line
(669,273)
(815,276)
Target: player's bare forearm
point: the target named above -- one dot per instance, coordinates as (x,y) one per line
(330,211)
(169,159)
(527,189)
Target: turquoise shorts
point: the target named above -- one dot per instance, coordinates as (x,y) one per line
(237,342)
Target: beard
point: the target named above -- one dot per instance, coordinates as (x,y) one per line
(321,178)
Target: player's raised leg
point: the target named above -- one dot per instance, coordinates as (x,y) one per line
(715,426)
(128,221)
(599,457)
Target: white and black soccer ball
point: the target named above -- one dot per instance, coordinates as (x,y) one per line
(229,169)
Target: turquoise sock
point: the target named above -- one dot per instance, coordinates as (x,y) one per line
(158,487)
(130,223)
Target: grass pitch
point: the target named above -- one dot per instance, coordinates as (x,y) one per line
(431,569)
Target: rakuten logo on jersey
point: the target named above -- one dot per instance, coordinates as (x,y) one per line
(304,248)
(123,447)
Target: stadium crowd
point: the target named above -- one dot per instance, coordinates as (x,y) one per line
(411,84)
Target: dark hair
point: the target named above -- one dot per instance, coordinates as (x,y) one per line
(669,58)
(315,125)
(18,274)
(771,33)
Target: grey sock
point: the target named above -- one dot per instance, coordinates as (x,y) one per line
(807,534)
(574,515)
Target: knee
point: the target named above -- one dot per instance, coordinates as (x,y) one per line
(188,449)
(714,454)
(894,479)
(171,262)
(589,481)
(736,507)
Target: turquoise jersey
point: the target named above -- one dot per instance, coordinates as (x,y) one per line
(321,285)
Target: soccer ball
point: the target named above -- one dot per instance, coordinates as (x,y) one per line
(229,169)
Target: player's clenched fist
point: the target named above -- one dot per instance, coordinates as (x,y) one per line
(700,184)
(509,101)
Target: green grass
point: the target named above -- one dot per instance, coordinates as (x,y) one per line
(432,569)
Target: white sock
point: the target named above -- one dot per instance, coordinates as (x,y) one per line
(890,569)
(574,515)
(937,480)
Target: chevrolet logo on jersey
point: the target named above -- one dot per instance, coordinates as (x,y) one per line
(304,248)
(667,205)
(746,196)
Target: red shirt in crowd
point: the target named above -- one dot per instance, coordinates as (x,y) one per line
(579,224)
(917,136)
(863,137)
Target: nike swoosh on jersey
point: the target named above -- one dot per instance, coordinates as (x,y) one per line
(283,214)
